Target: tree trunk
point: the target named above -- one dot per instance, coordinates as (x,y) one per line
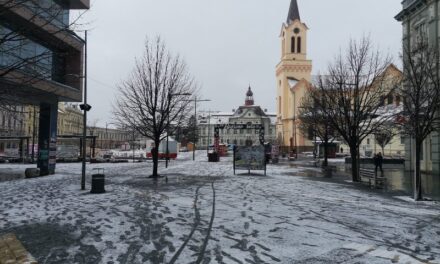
(354,164)
(418,175)
(155,154)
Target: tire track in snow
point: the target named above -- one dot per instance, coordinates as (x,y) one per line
(208,232)
(196,224)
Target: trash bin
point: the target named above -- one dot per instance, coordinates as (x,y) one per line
(213,157)
(98,181)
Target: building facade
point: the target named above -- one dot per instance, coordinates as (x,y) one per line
(293,75)
(422,17)
(42,65)
(70,119)
(111,138)
(12,130)
(249,113)
(391,103)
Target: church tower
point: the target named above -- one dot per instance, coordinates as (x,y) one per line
(293,74)
(249,98)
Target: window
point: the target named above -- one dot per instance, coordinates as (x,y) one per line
(402,140)
(430,149)
(292,45)
(368,141)
(279,104)
(390,99)
(397,100)
(310,133)
(299,45)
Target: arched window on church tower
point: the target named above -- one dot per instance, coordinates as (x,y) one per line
(292,48)
(299,45)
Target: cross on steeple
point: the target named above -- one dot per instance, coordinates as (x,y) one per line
(293,12)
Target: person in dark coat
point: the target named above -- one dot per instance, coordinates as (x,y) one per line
(378,161)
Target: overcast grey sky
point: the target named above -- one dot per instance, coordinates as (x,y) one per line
(227,44)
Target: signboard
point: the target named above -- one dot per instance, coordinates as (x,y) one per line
(250,158)
(240,126)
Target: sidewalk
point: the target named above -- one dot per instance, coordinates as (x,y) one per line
(205,212)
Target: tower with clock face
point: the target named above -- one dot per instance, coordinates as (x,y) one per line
(293,74)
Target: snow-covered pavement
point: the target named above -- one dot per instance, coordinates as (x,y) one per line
(205,214)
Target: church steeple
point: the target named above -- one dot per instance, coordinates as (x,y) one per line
(293,12)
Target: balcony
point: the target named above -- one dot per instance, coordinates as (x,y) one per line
(76,4)
(409,7)
(408,3)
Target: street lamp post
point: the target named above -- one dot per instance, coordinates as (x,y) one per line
(209,132)
(170,95)
(85,107)
(195,122)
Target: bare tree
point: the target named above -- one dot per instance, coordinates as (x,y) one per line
(314,123)
(153,97)
(351,94)
(421,97)
(384,134)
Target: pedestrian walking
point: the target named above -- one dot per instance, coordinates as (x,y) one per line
(378,161)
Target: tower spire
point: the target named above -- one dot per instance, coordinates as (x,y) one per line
(249,97)
(293,11)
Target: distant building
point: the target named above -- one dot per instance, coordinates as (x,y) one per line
(293,75)
(70,119)
(12,127)
(111,138)
(422,17)
(391,102)
(249,113)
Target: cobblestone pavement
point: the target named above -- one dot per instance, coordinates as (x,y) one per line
(205,214)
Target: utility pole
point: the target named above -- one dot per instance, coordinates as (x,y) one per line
(195,122)
(85,107)
(209,132)
(34,126)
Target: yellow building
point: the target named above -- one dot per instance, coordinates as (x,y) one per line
(293,75)
(389,82)
(70,119)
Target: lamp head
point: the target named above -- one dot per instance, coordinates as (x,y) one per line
(85,107)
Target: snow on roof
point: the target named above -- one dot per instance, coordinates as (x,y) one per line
(217,118)
(214,118)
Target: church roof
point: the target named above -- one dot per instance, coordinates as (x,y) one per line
(293,12)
